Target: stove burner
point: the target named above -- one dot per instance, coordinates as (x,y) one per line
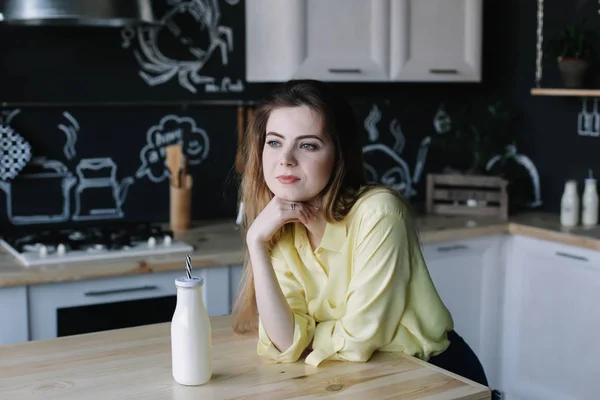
(78,244)
(89,238)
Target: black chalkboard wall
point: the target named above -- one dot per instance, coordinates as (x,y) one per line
(96,95)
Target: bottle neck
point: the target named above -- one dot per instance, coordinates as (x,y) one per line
(571,188)
(192,295)
(590,185)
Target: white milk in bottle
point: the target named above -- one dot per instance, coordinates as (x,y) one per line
(589,201)
(190,334)
(569,205)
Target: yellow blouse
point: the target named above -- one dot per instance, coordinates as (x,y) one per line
(365,288)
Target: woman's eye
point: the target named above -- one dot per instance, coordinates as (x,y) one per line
(273,143)
(308,146)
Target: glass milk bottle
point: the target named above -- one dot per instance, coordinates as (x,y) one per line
(589,216)
(190,334)
(569,205)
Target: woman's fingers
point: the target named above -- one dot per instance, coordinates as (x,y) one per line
(301,212)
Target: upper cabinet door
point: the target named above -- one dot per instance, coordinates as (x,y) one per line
(275,39)
(346,40)
(436,40)
(332,40)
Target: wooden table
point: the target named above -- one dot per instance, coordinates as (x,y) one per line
(135,363)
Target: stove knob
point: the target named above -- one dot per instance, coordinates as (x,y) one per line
(43,251)
(61,249)
(167,240)
(151,242)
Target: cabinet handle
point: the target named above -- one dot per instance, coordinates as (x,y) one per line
(116,291)
(572,256)
(443,71)
(345,70)
(454,247)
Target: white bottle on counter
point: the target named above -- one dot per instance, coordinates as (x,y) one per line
(589,216)
(191,348)
(569,205)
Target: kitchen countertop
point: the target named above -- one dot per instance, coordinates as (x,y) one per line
(219,243)
(136,363)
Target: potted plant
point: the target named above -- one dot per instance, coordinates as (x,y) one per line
(574,48)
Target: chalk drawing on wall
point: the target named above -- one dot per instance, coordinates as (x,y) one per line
(171,130)
(37,174)
(442,123)
(190,34)
(70,130)
(396,173)
(7,116)
(98,195)
(511,153)
(398,177)
(15,151)
(40,174)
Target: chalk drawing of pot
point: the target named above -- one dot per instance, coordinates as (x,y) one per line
(39,194)
(98,195)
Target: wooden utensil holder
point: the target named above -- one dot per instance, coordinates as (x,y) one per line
(180,207)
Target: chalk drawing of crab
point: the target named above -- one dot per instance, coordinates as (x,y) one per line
(189,34)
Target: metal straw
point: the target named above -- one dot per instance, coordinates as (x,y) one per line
(188,266)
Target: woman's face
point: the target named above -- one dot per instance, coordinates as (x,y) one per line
(297,157)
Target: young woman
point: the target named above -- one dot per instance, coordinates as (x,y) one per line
(333,266)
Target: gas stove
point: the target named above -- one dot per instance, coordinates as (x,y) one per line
(92,243)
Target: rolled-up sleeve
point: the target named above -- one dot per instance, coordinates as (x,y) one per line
(304,325)
(376,294)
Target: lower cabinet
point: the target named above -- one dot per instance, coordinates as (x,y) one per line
(60,309)
(468,275)
(14,323)
(235,279)
(551,322)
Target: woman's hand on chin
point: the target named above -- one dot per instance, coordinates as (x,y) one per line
(276,214)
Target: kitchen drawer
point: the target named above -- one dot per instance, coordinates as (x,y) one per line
(440,250)
(559,251)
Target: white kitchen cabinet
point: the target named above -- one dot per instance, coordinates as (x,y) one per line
(552,324)
(14,325)
(468,275)
(332,40)
(46,299)
(235,278)
(436,40)
(363,40)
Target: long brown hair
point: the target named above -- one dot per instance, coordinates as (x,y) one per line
(344,187)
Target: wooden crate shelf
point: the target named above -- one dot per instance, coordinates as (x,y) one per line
(566,92)
(473,195)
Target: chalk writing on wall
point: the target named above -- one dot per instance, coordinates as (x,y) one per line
(190,34)
(170,130)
